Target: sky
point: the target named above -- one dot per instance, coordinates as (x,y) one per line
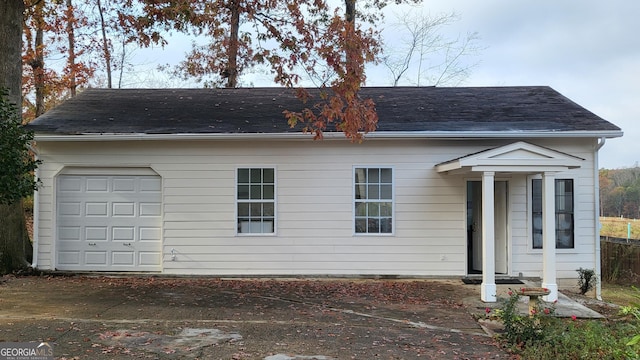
(588,50)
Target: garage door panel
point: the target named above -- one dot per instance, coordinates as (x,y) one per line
(69,233)
(69,257)
(70,208)
(124,185)
(109,223)
(95,258)
(70,184)
(96,209)
(96,233)
(123,258)
(150,209)
(150,234)
(97,185)
(150,258)
(150,184)
(123,209)
(123,233)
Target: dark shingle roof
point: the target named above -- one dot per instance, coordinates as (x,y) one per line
(260,110)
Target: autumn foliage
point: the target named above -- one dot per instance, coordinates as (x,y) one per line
(324,42)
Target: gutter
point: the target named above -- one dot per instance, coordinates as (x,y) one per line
(597,250)
(451,135)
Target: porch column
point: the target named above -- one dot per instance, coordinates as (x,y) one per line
(488,287)
(549,236)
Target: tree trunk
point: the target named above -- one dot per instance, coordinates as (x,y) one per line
(232,65)
(105,45)
(38,62)
(14,243)
(11,44)
(71,58)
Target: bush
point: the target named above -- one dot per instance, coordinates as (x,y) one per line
(544,336)
(587,280)
(523,330)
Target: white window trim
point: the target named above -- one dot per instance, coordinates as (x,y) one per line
(530,248)
(393,200)
(275,200)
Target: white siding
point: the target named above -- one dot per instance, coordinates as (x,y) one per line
(314,230)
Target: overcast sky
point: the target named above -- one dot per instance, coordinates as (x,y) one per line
(588,50)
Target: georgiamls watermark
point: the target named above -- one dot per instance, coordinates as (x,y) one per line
(26,351)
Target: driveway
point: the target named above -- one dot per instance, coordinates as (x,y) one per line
(145,317)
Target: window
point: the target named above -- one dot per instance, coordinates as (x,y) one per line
(373,201)
(564,213)
(256,201)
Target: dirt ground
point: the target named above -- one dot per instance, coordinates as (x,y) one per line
(100,317)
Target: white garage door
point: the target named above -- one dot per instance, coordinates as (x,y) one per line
(109,223)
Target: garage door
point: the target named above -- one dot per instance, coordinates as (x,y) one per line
(109,223)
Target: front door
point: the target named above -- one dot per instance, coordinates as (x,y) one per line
(474,227)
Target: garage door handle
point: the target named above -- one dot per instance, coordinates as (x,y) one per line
(92,244)
(126,244)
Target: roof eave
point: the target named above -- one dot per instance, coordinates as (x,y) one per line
(329,135)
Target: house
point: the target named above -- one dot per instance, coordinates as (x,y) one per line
(455,181)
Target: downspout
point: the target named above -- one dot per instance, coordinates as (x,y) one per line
(36,214)
(596,176)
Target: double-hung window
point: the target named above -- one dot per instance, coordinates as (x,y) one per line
(564,200)
(373,200)
(256,200)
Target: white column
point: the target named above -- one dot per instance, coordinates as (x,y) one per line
(549,236)
(488,287)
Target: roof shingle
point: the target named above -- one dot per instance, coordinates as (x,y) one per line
(260,110)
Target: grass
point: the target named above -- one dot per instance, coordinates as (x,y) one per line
(618,227)
(623,295)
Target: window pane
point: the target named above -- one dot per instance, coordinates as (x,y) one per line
(536,193)
(243,209)
(385,176)
(385,209)
(373,225)
(361,226)
(256,209)
(373,192)
(373,209)
(361,192)
(361,209)
(268,209)
(373,175)
(256,175)
(385,192)
(243,192)
(267,226)
(256,192)
(385,226)
(268,175)
(361,177)
(243,176)
(267,192)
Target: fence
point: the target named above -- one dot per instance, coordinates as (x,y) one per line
(620,260)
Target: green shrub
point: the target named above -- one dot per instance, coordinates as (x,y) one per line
(544,336)
(587,280)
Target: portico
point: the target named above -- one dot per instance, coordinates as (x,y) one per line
(523,158)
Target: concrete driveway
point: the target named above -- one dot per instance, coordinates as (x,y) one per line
(144,317)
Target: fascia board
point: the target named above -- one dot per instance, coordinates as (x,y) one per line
(331,135)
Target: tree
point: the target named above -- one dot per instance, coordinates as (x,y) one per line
(424,43)
(289,37)
(14,244)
